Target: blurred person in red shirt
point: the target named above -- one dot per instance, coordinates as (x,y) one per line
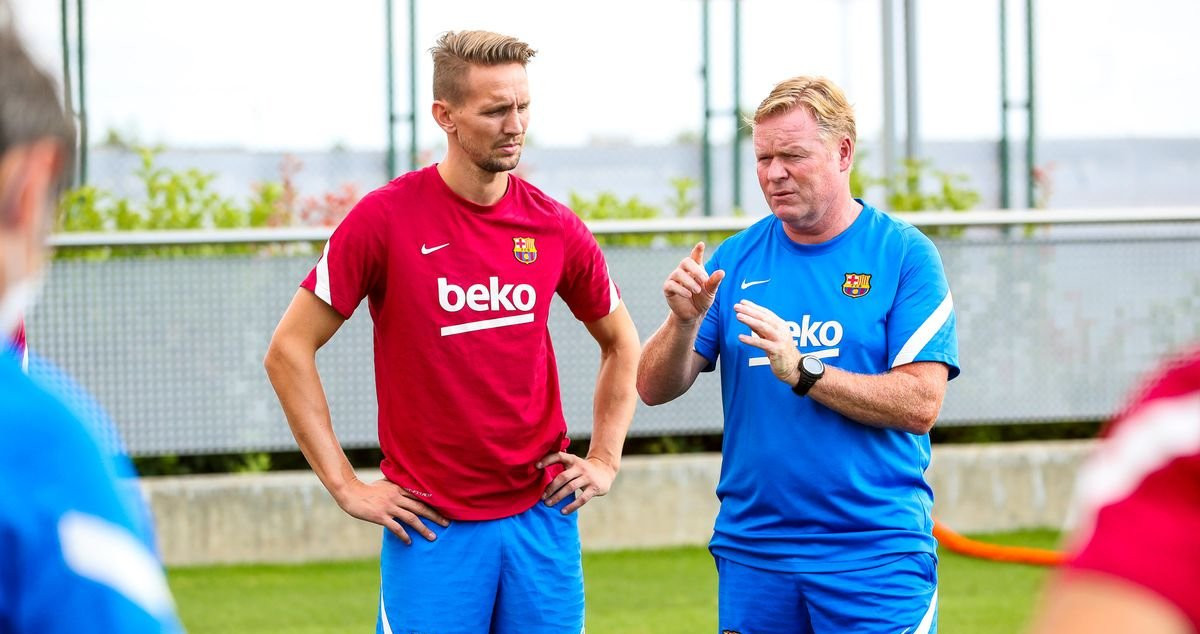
(1134,560)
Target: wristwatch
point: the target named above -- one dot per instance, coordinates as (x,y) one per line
(811,370)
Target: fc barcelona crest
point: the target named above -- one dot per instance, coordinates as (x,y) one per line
(856,285)
(524,250)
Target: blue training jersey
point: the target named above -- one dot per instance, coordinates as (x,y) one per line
(76,552)
(803,488)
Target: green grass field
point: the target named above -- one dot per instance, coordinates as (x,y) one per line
(651,592)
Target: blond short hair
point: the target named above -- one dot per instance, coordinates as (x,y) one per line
(820,96)
(455,52)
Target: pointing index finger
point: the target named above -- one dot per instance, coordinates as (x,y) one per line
(698,253)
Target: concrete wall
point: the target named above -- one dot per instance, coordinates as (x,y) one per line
(656,501)
(1004,487)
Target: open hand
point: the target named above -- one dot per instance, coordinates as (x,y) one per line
(591,477)
(773,337)
(385,503)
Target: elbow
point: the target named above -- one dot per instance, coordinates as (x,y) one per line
(921,413)
(921,422)
(648,396)
(273,359)
(659,379)
(922,426)
(646,387)
(655,392)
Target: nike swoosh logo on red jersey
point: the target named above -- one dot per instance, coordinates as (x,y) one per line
(427,250)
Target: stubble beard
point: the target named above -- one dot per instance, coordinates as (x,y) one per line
(489,161)
(497,165)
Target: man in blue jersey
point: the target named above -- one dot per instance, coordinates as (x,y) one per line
(76,553)
(836,336)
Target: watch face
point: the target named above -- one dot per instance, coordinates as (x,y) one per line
(812,365)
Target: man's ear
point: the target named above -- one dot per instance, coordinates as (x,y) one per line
(846,153)
(444,116)
(27,176)
(38,197)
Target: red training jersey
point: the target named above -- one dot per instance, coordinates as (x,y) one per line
(1141,492)
(459,294)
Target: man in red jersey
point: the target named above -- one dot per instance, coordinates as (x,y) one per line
(458,262)
(1135,557)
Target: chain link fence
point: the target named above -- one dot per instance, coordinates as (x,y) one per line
(1056,322)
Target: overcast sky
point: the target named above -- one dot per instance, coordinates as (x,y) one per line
(310,74)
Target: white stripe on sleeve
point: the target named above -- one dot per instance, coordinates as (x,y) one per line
(614,299)
(1163,430)
(921,337)
(321,289)
(109,554)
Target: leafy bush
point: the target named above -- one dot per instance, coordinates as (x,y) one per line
(681,201)
(607,206)
(249,462)
(185,199)
(907,190)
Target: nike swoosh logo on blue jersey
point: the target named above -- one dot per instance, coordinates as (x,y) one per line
(746,285)
(427,251)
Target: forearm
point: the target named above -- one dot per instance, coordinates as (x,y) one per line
(665,370)
(298,385)
(1089,602)
(614,401)
(894,400)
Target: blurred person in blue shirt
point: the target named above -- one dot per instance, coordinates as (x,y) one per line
(836,335)
(76,550)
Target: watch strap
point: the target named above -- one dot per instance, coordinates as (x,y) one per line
(806,380)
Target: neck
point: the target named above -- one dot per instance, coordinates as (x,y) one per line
(20,279)
(466,179)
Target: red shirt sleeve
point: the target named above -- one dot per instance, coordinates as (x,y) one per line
(353,264)
(585,285)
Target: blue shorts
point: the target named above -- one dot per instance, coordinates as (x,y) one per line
(516,574)
(897,597)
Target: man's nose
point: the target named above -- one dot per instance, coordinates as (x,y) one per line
(775,171)
(513,123)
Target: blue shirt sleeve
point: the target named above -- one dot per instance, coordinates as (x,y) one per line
(921,324)
(72,555)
